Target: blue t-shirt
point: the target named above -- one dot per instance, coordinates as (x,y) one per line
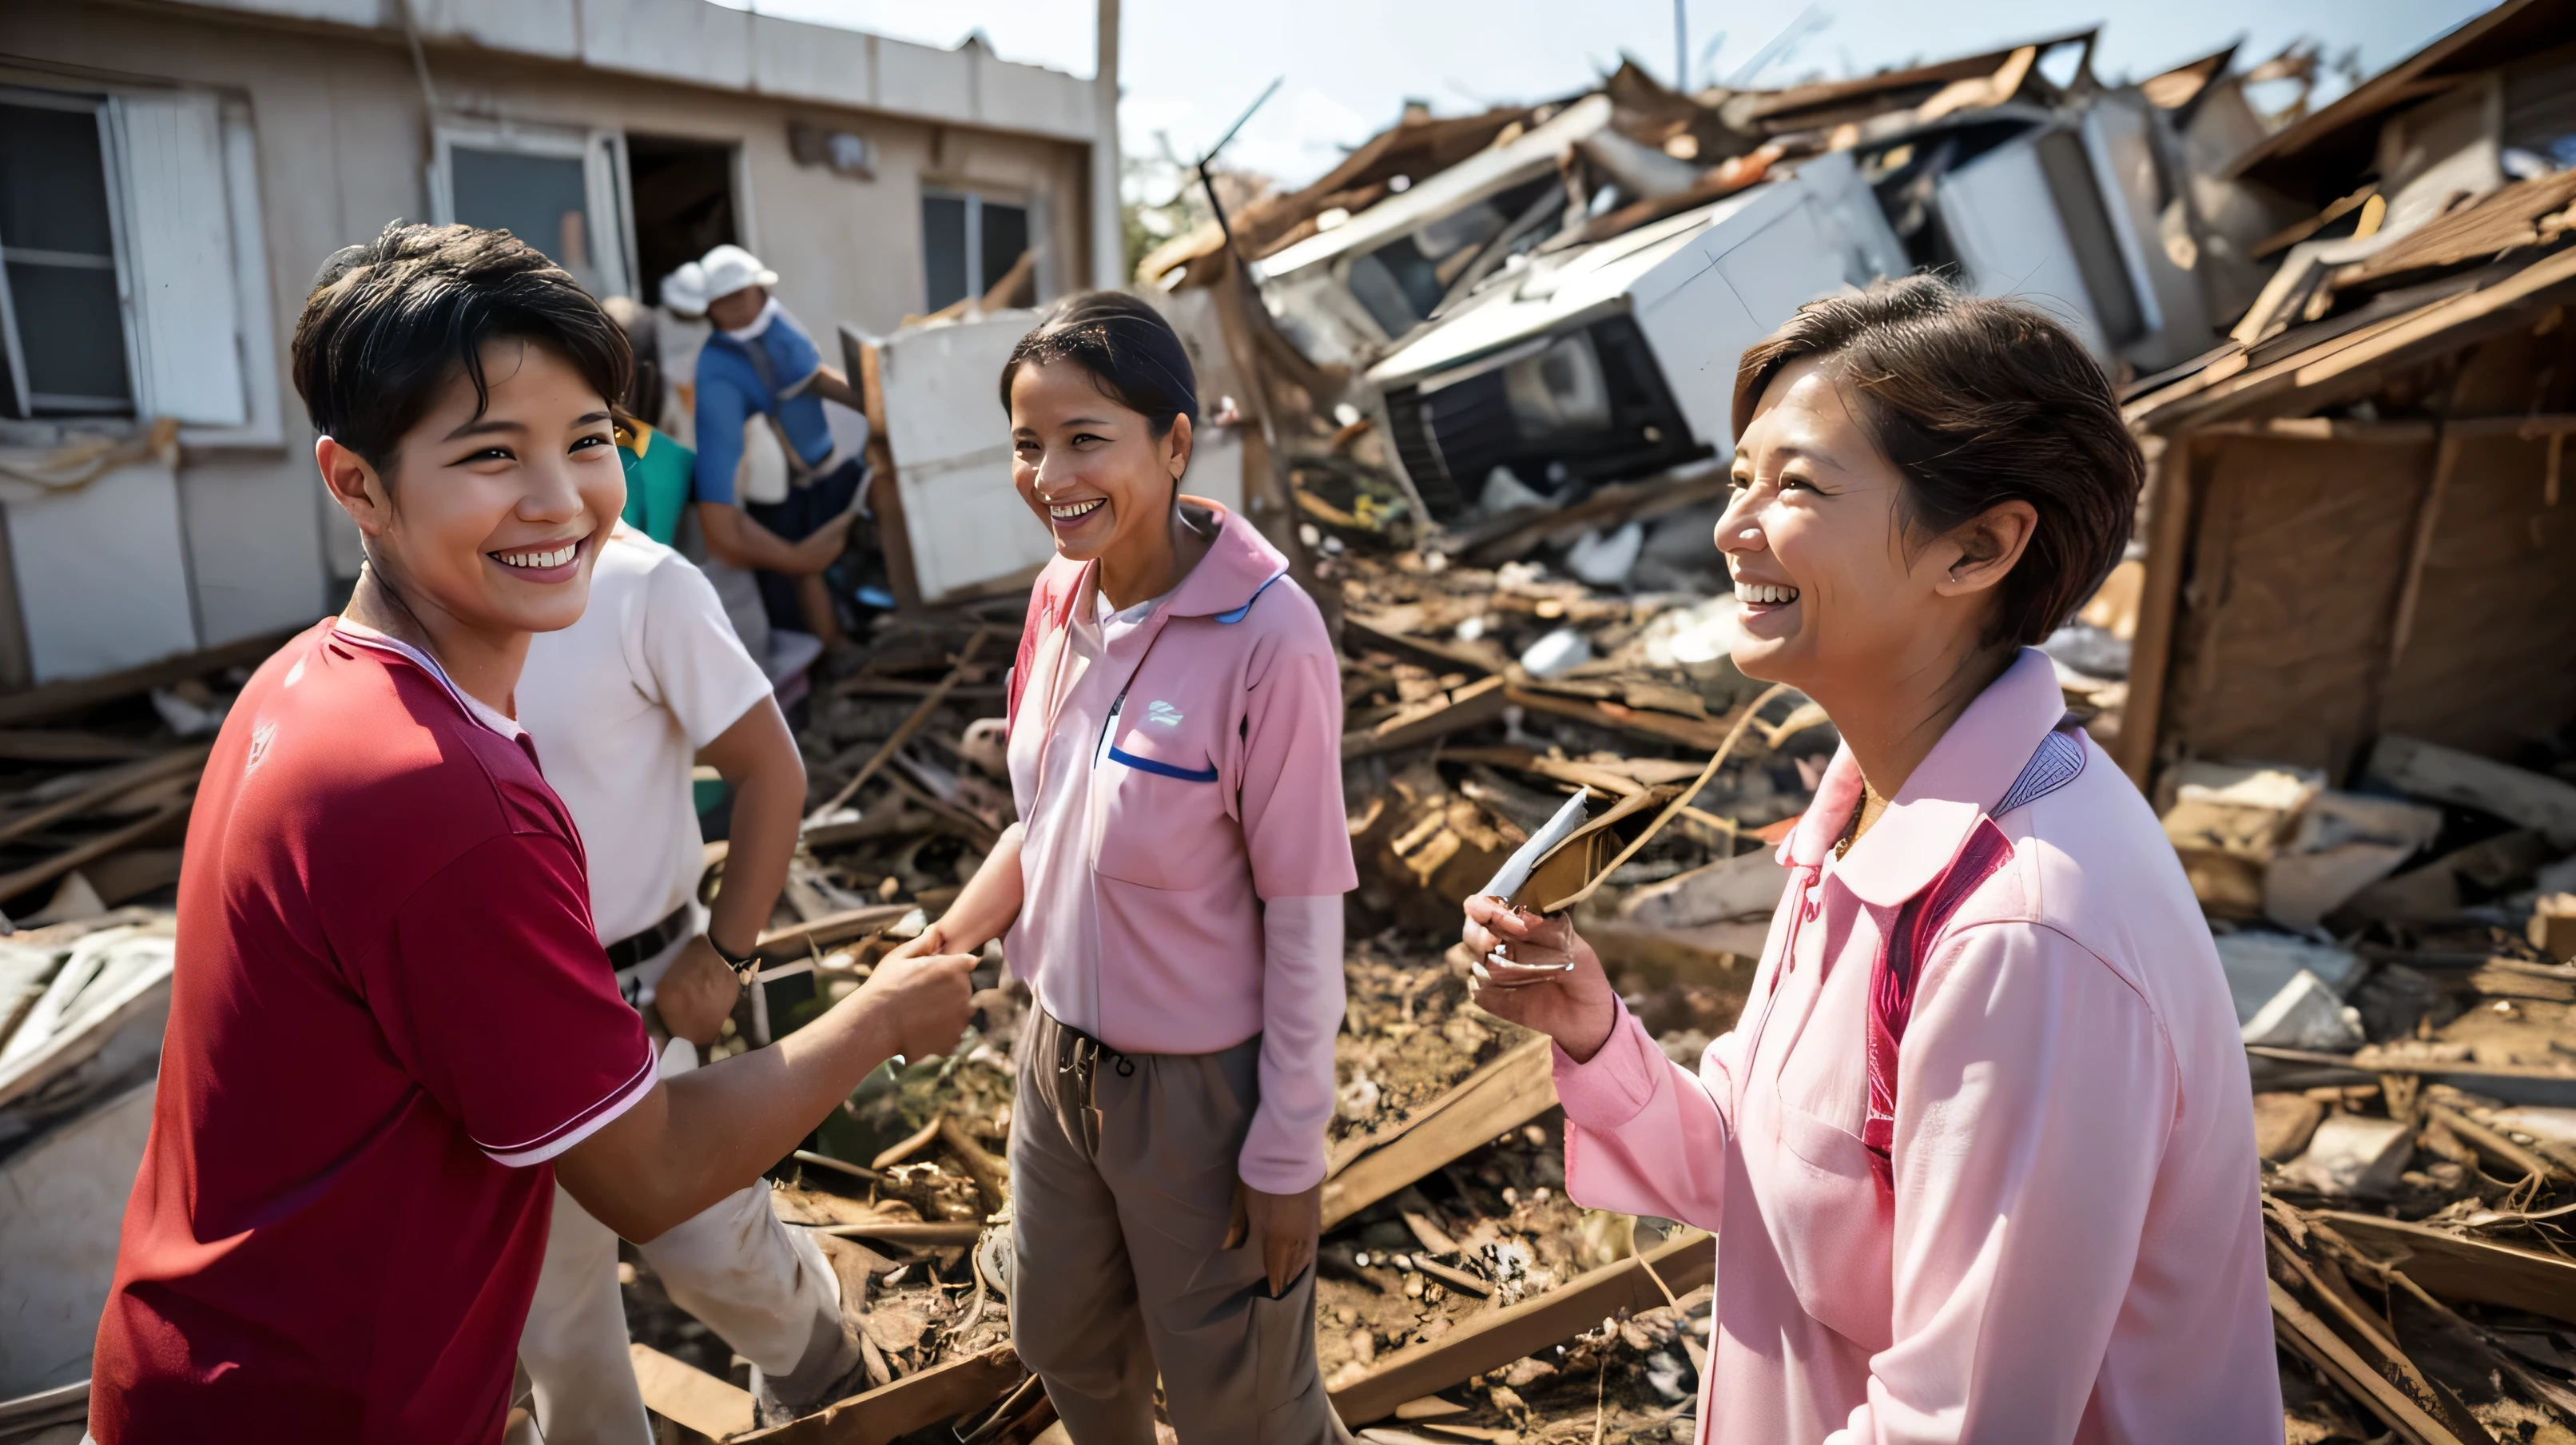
(770,374)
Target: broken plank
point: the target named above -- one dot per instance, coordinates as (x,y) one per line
(903,732)
(1615,782)
(2467,1269)
(111,784)
(2312,1339)
(793,941)
(1439,652)
(1514,1089)
(1353,1146)
(55,699)
(2447,775)
(1688,732)
(1480,701)
(13,884)
(37,745)
(1497,1337)
(918,1400)
(908,1232)
(683,1393)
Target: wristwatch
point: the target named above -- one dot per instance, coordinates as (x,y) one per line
(741,963)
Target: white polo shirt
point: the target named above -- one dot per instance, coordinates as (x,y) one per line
(619,704)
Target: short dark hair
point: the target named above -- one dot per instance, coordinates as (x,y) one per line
(388,322)
(1978,402)
(1131,352)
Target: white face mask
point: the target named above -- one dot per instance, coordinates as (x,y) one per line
(760,323)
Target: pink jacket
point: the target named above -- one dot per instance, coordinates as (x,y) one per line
(2071,1248)
(1215,791)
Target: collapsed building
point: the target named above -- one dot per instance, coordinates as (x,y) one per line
(1474,382)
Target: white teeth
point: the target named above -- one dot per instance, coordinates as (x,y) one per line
(1071,510)
(555,558)
(1763,592)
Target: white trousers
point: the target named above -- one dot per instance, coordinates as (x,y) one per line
(764,1288)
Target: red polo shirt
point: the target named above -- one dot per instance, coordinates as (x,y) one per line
(388,1014)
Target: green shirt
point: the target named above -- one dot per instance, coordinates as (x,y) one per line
(658,474)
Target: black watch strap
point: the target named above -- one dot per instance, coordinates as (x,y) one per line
(738,962)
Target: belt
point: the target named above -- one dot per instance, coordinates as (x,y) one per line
(1077,1065)
(636,948)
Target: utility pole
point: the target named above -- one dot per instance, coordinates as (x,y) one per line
(1681,46)
(1108,224)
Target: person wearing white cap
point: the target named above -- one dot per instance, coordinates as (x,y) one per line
(759,361)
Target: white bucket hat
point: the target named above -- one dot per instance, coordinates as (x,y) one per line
(684,291)
(730,268)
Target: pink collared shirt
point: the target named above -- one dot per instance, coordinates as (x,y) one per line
(2072,1249)
(1185,848)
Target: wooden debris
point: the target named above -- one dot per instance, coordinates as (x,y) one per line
(687,1395)
(2469,1269)
(1498,1337)
(1477,702)
(918,1400)
(2544,804)
(60,699)
(903,732)
(1505,1094)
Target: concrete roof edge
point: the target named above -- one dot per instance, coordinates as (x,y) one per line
(992,94)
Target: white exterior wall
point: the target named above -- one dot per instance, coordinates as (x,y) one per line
(340,138)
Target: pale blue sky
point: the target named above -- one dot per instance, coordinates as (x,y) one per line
(1188,68)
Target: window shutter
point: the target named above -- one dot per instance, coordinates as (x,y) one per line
(186,319)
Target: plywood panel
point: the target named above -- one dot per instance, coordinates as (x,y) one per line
(2492,660)
(2297,555)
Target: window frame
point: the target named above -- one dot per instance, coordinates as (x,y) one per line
(976,199)
(24,398)
(606,194)
(255,333)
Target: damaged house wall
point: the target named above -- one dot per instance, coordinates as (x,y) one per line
(323,136)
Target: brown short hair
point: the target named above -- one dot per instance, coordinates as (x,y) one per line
(1978,402)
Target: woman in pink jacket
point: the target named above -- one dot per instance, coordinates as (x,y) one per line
(1979,1155)
(1173,893)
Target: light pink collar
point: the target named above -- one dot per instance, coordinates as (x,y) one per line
(1965,775)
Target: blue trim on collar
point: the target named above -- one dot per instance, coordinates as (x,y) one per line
(1238,614)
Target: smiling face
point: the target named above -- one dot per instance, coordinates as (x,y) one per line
(1826,582)
(493,519)
(1091,469)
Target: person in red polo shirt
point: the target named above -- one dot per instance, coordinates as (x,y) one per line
(392,1028)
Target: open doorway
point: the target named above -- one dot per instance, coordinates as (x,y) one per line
(684,206)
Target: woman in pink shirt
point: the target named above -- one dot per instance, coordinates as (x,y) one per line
(1979,1155)
(1173,894)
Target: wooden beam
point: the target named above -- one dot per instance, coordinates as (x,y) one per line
(13,884)
(1515,1088)
(2435,329)
(39,745)
(903,732)
(791,942)
(1480,701)
(908,1232)
(2467,1269)
(2537,801)
(110,785)
(57,698)
(1498,1337)
(681,1392)
(2312,1339)
(2169,509)
(918,1400)
(1689,732)
(2428,519)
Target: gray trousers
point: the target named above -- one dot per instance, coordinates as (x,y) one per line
(1122,1185)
